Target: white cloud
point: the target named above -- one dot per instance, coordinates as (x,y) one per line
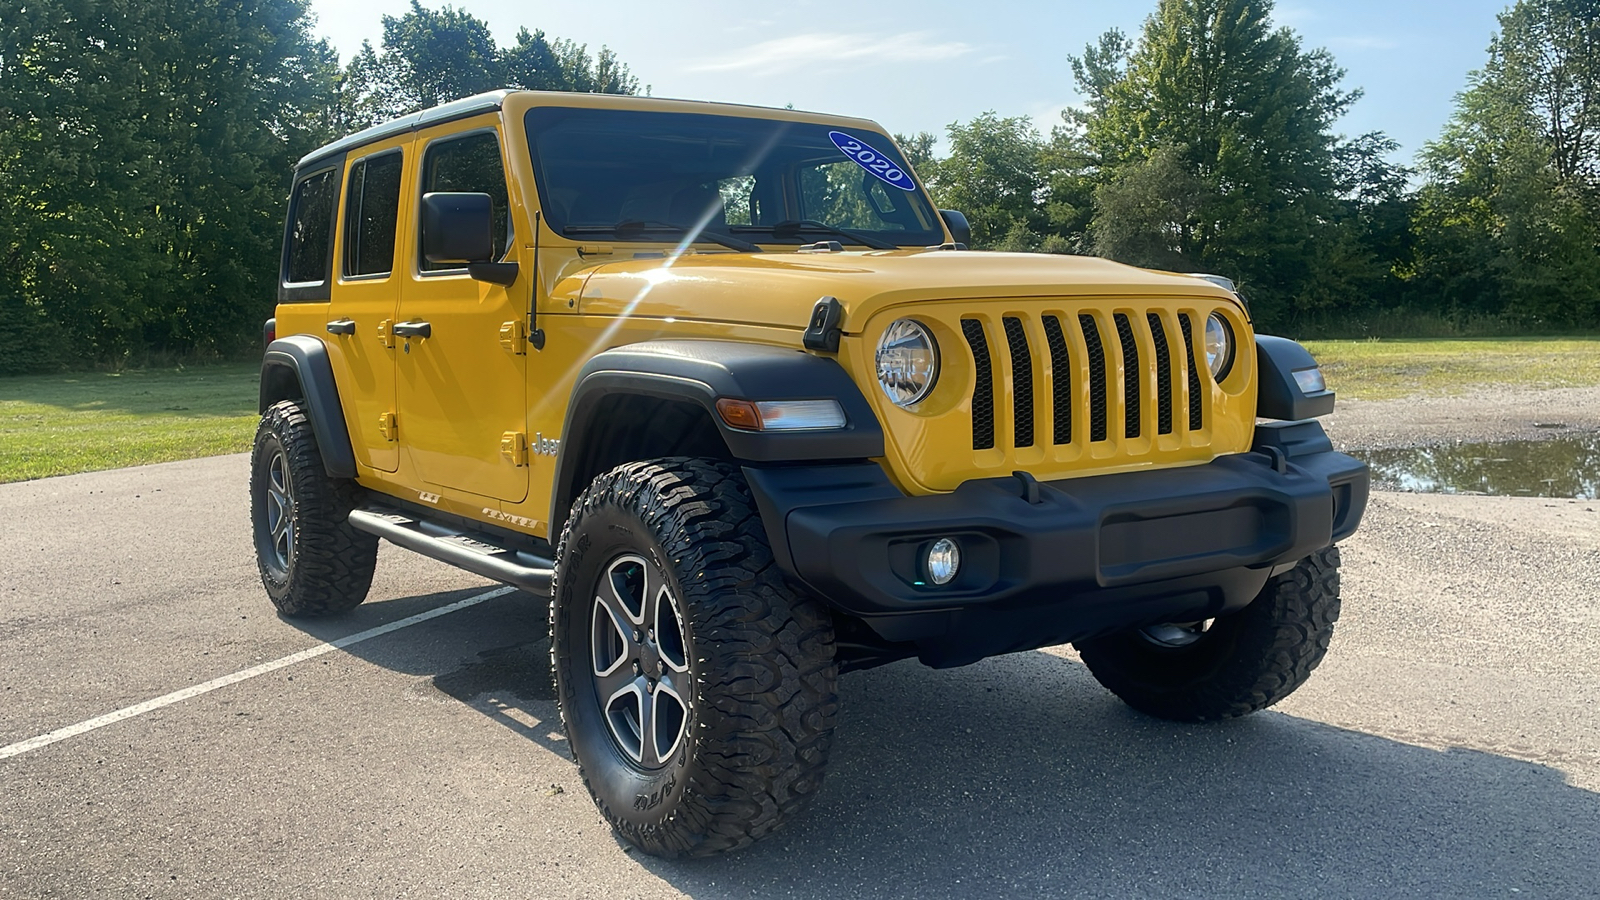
(833,50)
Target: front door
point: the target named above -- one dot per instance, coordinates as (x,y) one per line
(462,390)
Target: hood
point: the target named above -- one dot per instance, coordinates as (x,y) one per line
(781,288)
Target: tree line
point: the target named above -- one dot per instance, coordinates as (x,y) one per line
(145,149)
(1207,144)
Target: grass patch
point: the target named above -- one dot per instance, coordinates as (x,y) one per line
(1388,369)
(61,424)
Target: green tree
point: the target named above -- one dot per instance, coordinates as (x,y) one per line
(1210,141)
(145,152)
(1508,223)
(994,174)
(432,56)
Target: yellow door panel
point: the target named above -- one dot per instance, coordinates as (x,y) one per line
(367,256)
(462,389)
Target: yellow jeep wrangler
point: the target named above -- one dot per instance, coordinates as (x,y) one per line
(722,384)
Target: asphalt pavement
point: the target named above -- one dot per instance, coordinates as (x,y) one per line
(1448,747)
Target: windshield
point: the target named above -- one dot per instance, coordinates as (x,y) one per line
(634,175)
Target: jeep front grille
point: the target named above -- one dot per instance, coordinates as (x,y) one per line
(1141,367)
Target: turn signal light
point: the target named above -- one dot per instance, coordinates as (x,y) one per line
(781,415)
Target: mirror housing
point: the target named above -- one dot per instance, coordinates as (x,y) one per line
(457,228)
(960,229)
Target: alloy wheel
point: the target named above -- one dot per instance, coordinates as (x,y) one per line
(640,661)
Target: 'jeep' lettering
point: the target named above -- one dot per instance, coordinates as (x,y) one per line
(544,446)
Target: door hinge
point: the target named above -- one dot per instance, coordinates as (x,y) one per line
(514,446)
(386,333)
(514,337)
(388,427)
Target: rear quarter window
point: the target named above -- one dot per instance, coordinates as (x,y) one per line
(308,237)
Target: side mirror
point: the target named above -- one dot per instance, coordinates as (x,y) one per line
(960,230)
(457,228)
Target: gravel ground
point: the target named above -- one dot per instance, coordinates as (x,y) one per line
(1479,415)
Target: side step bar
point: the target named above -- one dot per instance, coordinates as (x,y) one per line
(461,549)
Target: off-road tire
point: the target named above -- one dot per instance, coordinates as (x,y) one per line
(1244,663)
(760,656)
(330,564)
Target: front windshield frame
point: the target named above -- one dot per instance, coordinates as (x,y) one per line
(799,187)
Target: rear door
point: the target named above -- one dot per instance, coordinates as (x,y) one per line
(363,307)
(462,391)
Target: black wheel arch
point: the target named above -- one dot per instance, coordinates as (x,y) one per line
(626,393)
(297,368)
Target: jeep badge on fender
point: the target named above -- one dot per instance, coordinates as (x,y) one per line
(722,387)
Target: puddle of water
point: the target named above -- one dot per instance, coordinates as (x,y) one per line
(1561,467)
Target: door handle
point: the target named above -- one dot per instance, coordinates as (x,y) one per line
(342,326)
(413,330)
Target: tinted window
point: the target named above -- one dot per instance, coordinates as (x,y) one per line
(372,211)
(764,180)
(469,165)
(311,229)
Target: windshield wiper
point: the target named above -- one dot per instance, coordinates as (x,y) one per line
(789,228)
(637,227)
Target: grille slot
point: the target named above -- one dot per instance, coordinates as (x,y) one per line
(1097,377)
(1061,376)
(983,385)
(1021,381)
(1130,373)
(1196,403)
(1163,374)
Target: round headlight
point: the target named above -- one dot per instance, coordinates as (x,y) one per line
(1219,346)
(908,362)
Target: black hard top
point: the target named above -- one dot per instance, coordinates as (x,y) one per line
(457,109)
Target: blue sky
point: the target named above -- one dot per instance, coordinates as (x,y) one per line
(917,66)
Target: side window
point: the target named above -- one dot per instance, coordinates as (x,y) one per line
(372,212)
(469,164)
(310,234)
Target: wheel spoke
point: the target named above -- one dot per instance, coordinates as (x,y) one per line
(668,624)
(618,678)
(622,588)
(623,711)
(647,727)
(613,643)
(669,716)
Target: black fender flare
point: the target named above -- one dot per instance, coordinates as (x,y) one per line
(297,368)
(701,372)
(1279,396)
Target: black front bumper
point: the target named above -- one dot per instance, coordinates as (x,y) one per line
(1064,560)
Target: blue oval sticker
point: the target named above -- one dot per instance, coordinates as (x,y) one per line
(867,158)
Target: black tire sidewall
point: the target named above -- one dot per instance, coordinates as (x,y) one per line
(640,799)
(268,444)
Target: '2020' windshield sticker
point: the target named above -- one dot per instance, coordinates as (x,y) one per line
(867,158)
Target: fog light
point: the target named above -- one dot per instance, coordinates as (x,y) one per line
(944,561)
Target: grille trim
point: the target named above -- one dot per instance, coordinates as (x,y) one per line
(982,387)
(1158,332)
(1097,377)
(1131,393)
(1196,401)
(1061,379)
(1021,382)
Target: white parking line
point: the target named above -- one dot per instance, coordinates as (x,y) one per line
(139,709)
